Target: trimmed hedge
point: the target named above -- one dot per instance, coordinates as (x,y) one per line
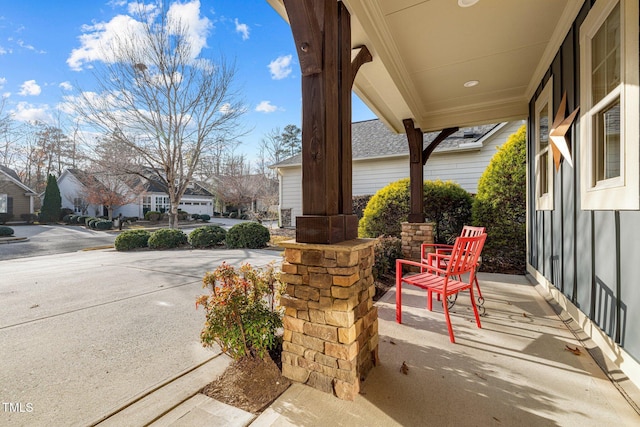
(205,217)
(500,206)
(5,231)
(103,224)
(446,204)
(167,238)
(132,239)
(248,235)
(153,216)
(207,236)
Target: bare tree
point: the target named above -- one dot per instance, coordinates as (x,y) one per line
(109,190)
(162,101)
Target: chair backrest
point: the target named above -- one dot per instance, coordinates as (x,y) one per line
(470,231)
(465,254)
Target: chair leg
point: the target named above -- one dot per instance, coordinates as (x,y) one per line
(430,300)
(399,301)
(475,307)
(448,319)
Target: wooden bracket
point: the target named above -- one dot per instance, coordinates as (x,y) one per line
(432,146)
(362,57)
(307,35)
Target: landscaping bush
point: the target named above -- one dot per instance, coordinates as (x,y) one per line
(207,236)
(242,315)
(52,203)
(103,224)
(132,239)
(5,231)
(359,203)
(64,212)
(81,219)
(233,215)
(182,215)
(205,217)
(446,204)
(248,235)
(67,219)
(152,216)
(90,222)
(387,249)
(500,206)
(195,216)
(5,217)
(29,218)
(167,238)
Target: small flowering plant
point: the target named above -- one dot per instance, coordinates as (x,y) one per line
(242,311)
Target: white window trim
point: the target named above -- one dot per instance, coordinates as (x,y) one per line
(544,201)
(623,192)
(5,203)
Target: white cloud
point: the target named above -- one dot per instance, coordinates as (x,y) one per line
(65,86)
(30,87)
(3,51)
(242,29)
(226,108)
(266,107)
(280,67)
(3,81)
(26,112)
(98,41)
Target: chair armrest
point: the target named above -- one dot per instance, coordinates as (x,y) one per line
(437,247)
(423,267)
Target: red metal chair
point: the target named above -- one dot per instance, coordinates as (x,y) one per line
(446,281)
(438,248)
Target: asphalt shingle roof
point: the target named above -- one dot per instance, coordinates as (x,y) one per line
(371,139)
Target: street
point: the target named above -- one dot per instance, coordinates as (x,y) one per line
(83,333)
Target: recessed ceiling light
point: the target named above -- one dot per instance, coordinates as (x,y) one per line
(467,3)
(471,83)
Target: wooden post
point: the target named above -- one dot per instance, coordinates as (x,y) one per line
(322,33)
(416,174)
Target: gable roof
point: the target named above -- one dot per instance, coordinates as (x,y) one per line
(372,139)
(13,176)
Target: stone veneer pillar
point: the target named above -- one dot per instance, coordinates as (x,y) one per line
(413,235)
(330,322)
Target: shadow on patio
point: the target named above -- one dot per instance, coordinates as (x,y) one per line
(516,370)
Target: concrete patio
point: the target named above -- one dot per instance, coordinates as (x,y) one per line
(516,370)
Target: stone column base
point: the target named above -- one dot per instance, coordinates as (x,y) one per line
(330,322)
(413,235)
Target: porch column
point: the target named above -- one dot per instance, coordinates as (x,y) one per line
(415,139)
(322,33)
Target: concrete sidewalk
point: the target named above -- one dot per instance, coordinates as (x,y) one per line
(516,370)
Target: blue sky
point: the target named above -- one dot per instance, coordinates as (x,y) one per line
(46,48)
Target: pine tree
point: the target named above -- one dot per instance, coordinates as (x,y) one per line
(52,203)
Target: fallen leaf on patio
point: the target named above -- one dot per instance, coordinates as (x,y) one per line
(404,368)
(524,315)
(392,343)
(575,351)
(496,419)
(35,306)
(480,376)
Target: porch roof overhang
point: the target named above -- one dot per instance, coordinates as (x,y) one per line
(424,51)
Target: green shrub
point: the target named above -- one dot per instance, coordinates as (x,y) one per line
(103,224)
(500,206)
(387,250)
(52,203)
(207,236)
(81,219)
(64,212)
(248,235)
(152,216)
(195,216)
(91,221)
(132,239)
(233,214)
(386,210)
(5,217)
(359,203)
(67,219)
(446,205)
(5,231)
(205,217)
(29,218)
(242,315)
(167,238)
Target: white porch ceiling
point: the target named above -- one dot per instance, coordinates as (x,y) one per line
(425,50)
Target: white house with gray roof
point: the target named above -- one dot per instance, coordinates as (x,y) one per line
(381,157)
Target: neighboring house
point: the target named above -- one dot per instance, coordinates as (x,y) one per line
(583,215)
(16,199)
(150,196)
(381,157)
(255,193)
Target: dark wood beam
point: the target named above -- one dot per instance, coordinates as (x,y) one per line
(307,34)
(426,153)
(415,138)
(362,57)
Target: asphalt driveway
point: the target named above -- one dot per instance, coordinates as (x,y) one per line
(83,333)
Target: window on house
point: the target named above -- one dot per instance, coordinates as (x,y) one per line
(78,204)
(544,159)
(4,205)
(162,204)
(609,103)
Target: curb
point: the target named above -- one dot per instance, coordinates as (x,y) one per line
(7,240)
